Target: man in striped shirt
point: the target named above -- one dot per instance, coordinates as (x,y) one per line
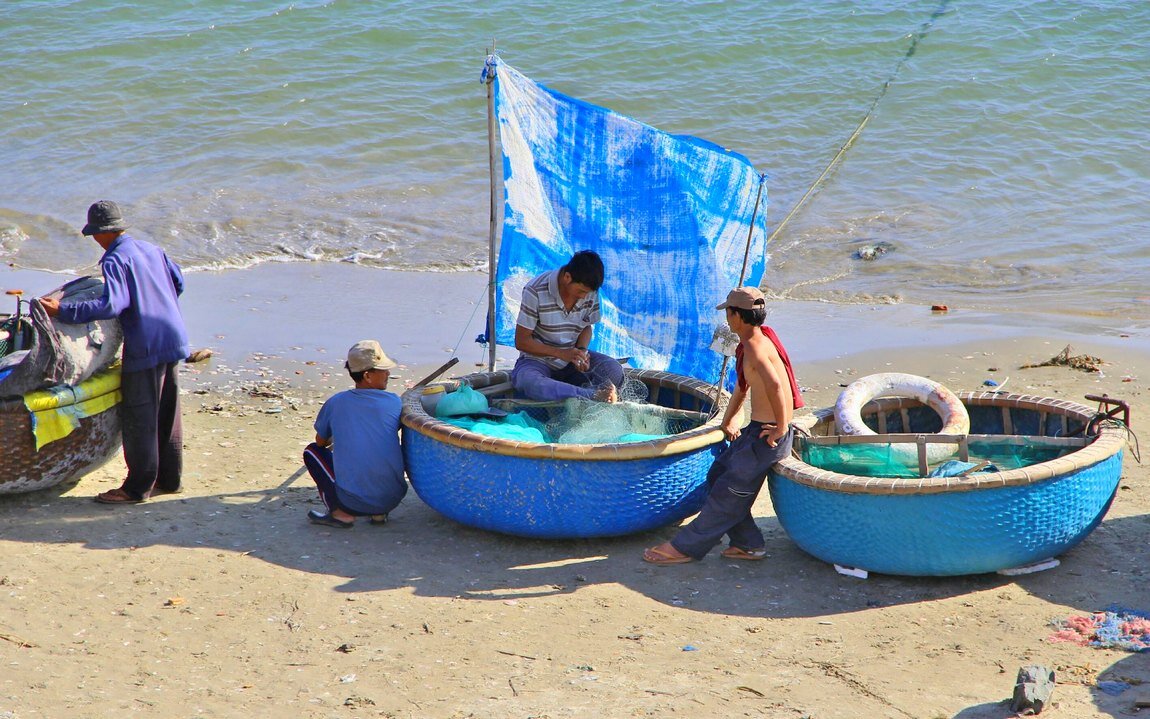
(553,331)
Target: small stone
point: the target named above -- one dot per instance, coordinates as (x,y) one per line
(1032,689)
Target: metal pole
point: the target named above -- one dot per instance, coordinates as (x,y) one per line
(492,227)
(17,334)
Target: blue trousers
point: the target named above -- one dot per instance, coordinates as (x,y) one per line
(535,379)
(320,463)
(735,480)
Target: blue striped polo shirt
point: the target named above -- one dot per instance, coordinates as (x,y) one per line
(543,313)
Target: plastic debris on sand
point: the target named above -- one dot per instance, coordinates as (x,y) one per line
(1115,628)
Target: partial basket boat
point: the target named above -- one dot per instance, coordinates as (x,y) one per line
(93,442)
(561,491)
(974,523)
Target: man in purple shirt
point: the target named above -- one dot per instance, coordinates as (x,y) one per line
(141,286)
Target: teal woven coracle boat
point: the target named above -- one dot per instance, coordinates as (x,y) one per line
(980,522)
(561,491)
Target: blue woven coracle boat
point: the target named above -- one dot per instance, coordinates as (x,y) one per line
(561,491)
(980,522)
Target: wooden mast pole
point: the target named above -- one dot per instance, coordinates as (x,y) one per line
(751,232)
(493,224)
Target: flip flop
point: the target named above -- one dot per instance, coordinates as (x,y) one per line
(116,496)
(734,552)
(327,520)
(662,557)
(378,519)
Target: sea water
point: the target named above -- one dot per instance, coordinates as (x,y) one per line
(1004,162)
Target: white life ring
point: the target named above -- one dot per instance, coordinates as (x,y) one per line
(955,420)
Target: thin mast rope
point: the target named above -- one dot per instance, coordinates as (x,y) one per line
(455,350)
(923,31)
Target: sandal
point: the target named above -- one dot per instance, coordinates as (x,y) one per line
(733,552)
(116,496)
(661,557)
(378,519)
(316,517)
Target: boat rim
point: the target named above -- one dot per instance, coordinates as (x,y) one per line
(416,418)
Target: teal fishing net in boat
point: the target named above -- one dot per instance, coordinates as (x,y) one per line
(579,422)
(877,460)
(517,427)
(671,215)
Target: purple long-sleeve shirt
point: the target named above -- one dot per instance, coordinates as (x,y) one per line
(141,286)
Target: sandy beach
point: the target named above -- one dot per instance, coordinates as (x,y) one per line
(224,602)
(323,173)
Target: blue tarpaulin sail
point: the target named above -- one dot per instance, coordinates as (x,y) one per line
(671,216)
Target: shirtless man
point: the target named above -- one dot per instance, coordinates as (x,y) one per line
(737,476)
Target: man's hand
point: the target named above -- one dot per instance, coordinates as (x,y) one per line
(732,431)
(51,306)
(581,358)
(772,434)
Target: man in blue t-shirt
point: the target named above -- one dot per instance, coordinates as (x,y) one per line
(356,460)
(141,287)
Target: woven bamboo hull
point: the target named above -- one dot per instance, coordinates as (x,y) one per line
(955,526)
(64,460)
(561,491)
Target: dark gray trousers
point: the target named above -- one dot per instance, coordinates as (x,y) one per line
(735,480)
(152,432)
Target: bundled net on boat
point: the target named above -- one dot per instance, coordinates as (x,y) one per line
(39,352)
(580,421)
(583,422)
(571,421)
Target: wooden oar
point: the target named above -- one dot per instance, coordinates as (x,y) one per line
(446,366)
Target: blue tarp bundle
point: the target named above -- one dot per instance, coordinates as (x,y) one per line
(669,214)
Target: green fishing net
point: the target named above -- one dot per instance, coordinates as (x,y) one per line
(8,335)
(877,460)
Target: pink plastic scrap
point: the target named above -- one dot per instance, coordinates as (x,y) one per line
(1113,629)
